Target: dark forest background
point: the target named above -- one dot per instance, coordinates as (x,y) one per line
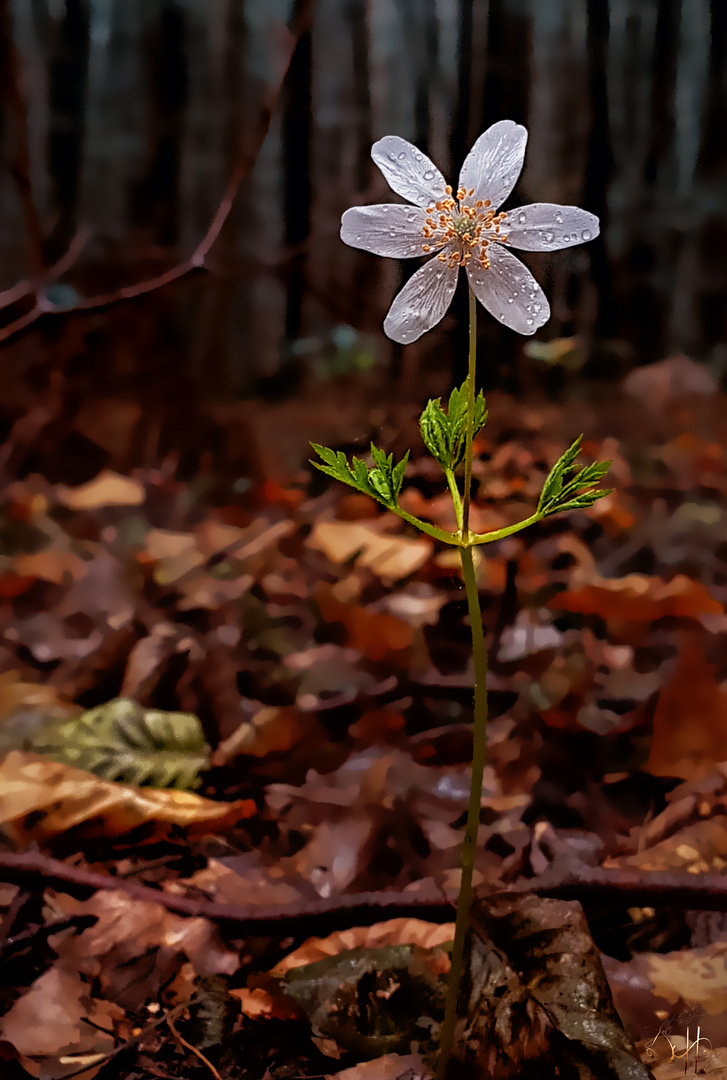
(126,122)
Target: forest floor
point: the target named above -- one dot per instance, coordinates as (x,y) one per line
(324,649)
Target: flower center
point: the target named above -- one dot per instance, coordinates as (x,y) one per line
(467,229)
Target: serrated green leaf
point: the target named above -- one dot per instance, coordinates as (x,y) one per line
(460,428)
(328,456)
(123,741)
(382,482)
(435,429)
(380,458)
(444,433)
(397,475)
(564,487)
(457,405)
(583,501)
(481,413)
(554,483)
(360,474)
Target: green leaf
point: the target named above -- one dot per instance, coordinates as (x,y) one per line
(435,429)
(121,740)
(382,482)
(444,433)
(397,475)
(460,425)
(564,487)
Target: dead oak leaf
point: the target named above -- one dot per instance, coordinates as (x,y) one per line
(390,932)
(56,998)
(639,598)
(40,799)
(388,1067)
(696,976)
(376,634)
(134,946)
(390,556)
(106,489)
(690,720)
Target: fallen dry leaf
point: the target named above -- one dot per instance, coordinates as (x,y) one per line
(639,598)
(374,633)
(134,946)
(56,997)
(696,976)
(106,489)
(390,932)
(690,720)
(40,799)
(388,1067)
(388,555)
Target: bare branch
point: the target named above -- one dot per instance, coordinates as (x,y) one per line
(195,261)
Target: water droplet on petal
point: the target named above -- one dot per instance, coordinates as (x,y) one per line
(402,155)
(384,209)
(429,175)
(529,322)
(522,218)
(502,316)
(393,157)
(549,237)
(559,218)
(586,234)
(511,299)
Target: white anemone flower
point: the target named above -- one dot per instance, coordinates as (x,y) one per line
(463,229)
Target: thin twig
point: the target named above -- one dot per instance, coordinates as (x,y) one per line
(627,887)
(196,260)
(192,1049)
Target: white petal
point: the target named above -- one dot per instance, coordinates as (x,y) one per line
(422,302)
(509,291)
(495,162)
(393,230)
(548,227)
(408,171)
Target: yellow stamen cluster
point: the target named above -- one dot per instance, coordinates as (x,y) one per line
(453,220)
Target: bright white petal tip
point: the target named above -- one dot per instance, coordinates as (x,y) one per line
(422,303)
(509,291)
(495,162)
(408,171)
(549,227)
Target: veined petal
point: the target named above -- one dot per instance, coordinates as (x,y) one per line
(494,163)
(422,302)
(509,291)
(408,171)
(548,227)
(393,230)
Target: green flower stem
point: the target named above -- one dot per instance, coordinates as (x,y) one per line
(464,528)
(469,844)
(475,539)
(479,749)
(425,527)
(500,534)
(456,499)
